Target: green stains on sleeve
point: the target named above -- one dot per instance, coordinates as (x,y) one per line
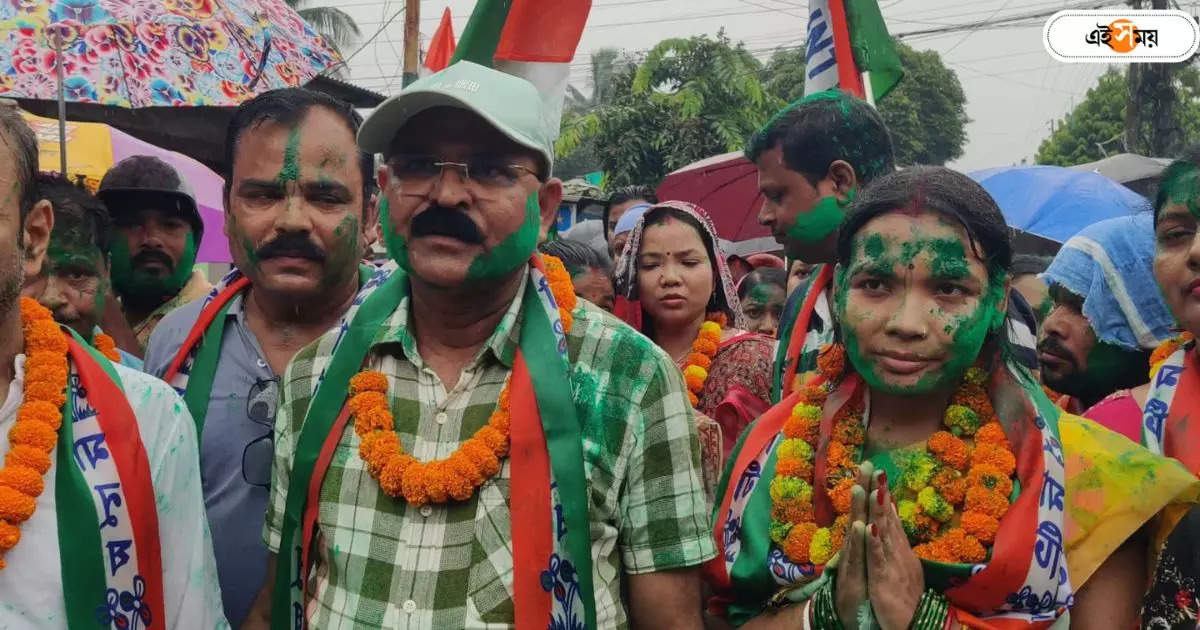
(291,157)
(514,250)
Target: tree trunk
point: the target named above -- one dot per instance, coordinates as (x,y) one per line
(1151,120)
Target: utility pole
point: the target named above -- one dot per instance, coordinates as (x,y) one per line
(1151,121)
(412,40)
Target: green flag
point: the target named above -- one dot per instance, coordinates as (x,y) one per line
(874,50)
(482,34)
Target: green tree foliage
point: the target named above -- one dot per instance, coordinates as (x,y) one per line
(688,100)
(1099,120)
(926,112)
(335,25)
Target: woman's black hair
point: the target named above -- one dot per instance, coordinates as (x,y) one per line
(762,275)
(659,215)
(934,189)
(950,194)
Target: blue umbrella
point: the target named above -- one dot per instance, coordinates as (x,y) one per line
(1057,202)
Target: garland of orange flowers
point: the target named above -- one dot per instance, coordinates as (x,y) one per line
(473,462)
(35,433)
(704,349)
(950,477)
(106,345)
(1168,347)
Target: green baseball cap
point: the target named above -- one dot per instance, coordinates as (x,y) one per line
(511,104)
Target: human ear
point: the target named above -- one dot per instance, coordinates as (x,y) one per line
(35,236)
(549,197)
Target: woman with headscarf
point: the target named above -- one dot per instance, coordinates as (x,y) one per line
(919,478)
(673,270)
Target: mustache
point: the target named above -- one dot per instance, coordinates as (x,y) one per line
(1051,345)
(443,221)
(152,255)
(291,245)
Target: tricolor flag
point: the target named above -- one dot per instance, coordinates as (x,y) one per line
(849,47)
(532,39)
(441,47)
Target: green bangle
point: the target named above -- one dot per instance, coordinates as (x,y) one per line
(931,612)
(825,614)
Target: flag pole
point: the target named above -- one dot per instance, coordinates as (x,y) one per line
(412,41)
(62,104)
(868,93)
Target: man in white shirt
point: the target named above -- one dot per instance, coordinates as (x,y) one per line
(101,516)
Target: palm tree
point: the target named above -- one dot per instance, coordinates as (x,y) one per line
(332,23)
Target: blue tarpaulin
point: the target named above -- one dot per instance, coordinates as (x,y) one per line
(1056,202)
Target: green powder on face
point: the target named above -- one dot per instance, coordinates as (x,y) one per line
(873,246)
(291,157)
(514,250)
(819,223)
(949,258)
(397,246)
(128,281)
(343,254)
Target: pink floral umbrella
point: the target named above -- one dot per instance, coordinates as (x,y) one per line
(147,53)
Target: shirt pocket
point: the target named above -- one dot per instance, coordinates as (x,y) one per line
(491,577)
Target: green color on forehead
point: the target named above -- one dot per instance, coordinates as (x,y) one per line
(763,292)
(514,250)
(66,253)
(291,157)
(947,256)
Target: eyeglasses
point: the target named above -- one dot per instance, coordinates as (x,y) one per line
(486,174)
(259,454)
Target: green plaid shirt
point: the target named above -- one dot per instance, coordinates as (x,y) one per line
(382,563)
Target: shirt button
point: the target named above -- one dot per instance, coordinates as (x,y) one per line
(441,417)
(410,607)
(426,511)
(262,364)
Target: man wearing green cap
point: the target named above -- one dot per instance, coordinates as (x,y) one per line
(474,447)
(157,229)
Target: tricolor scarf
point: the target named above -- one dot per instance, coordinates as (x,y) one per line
(1025,582)
(804,340)
(552,564)
(107,518)
(1173,396)
(194,367)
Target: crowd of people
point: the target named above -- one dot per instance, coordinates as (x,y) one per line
(907,424)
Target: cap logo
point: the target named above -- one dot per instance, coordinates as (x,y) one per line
(467,85)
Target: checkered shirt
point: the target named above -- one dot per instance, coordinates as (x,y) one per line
(381,563)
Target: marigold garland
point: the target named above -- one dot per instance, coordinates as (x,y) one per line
(35,433)
(951,495)
(695,367)
(106,345)
(1168,347)
(475,461)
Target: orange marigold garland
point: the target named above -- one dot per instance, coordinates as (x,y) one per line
(475,461)
(106,345)
(952,495)
(35,433)
(1168,347)
(704,348)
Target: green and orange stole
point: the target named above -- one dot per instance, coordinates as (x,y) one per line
(1084,489)
(795,344)
(109,549)
(552,564)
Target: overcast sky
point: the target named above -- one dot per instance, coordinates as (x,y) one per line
(1014,89)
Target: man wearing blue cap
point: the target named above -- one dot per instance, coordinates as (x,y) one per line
(475,447)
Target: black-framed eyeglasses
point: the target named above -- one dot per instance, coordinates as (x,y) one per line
(259,454)
(487,174)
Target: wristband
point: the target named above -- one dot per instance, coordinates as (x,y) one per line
(807,612)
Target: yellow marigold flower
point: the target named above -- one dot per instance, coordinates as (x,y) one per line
(962,420)
(934,505)
(778,531)
(15,506)
(820,550)
(23,479)
(368,381)
(695,376)
(975,376)
(795,448)
(790,488)
(25,455)
(10,535)
(32,433)
(806,411)
(920,472)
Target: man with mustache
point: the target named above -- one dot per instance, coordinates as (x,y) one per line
(1107,317)
(478,447)
(74,280)
(298,223)
(157,229)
